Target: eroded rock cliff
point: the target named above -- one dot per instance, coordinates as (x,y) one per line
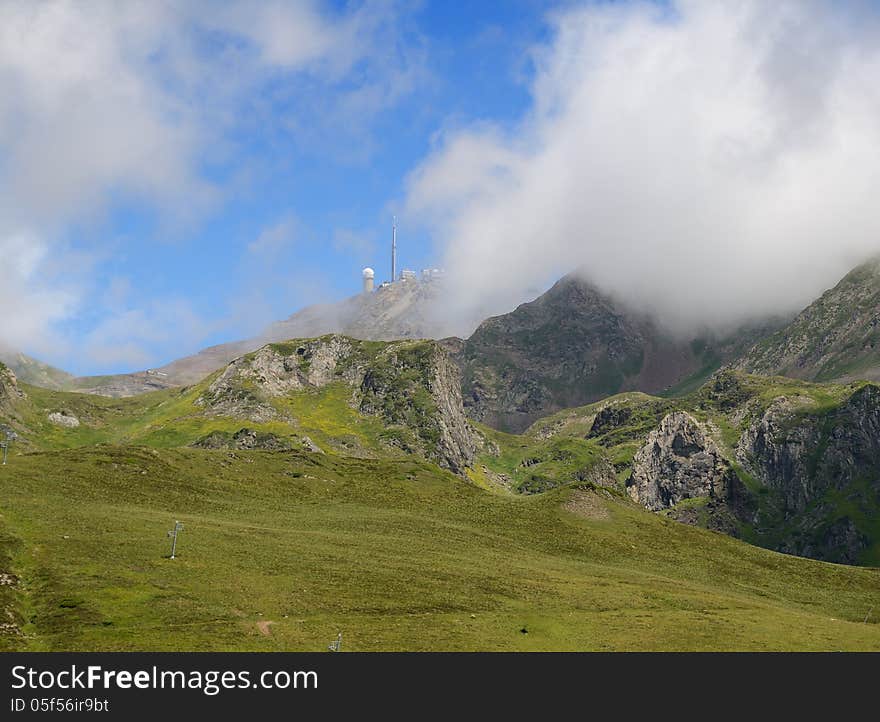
(823,470)
(409,384)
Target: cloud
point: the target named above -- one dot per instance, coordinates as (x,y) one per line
(82,115)
(360,245)
(709,162)
(137,337)
(274,239)
(32,295)
(106,105)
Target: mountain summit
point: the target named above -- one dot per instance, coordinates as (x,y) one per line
(572,346)
(407,309)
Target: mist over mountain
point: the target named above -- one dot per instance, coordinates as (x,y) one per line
(709,163)
(574,345)
(835,338)
(407,309)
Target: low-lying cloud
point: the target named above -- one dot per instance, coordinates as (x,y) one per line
(710,162)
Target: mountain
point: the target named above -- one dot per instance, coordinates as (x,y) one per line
(574,345)
(31,371)
(407,309)
(837,337)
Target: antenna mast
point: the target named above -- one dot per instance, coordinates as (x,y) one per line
(393,248)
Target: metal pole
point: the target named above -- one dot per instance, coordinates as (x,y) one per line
(173,534)
(393,248)
(10,437)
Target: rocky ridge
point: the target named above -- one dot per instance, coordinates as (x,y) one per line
(837,337)
(572,346)
(403,310)
(409,384)
(784,464)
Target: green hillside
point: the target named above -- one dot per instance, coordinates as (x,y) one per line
(284,547)
(281,550)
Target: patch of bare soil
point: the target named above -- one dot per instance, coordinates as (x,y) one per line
(587,505)
(265,627)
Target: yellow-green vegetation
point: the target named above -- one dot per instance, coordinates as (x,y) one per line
(172,418)
(282,550)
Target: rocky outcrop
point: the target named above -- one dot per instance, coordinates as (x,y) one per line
(609,418)
(245,386)
(412,385)
(64,419)
(419,387)
(10,393)
(245,439)
(679,461)
(823,470)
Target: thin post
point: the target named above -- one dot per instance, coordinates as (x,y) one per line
(10,437)
(173,534)
(393,248)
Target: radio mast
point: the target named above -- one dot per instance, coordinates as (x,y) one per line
(393,248)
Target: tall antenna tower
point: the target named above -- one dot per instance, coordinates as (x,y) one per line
(393,248)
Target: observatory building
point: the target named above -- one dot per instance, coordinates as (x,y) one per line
(407,276)
(368,275)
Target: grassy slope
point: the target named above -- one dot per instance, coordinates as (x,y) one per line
(391,551)
(170,419)
(395,554)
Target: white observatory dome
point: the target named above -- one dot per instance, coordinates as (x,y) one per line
(368,273)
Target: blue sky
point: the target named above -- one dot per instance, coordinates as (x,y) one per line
(178,174)
(293,192)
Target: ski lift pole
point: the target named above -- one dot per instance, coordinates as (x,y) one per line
(10,437)
(178,527)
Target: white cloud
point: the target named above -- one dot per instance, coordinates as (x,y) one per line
(137,337)
(106,102)
(32,296)
(709,161)
(359,245)
(273,239)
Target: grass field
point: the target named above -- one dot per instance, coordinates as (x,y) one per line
(282,550)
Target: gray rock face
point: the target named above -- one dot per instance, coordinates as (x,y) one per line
(9,391)
(413,385)
(420,387)
(823,468)
(64,419)
(275,370)
(678,461)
